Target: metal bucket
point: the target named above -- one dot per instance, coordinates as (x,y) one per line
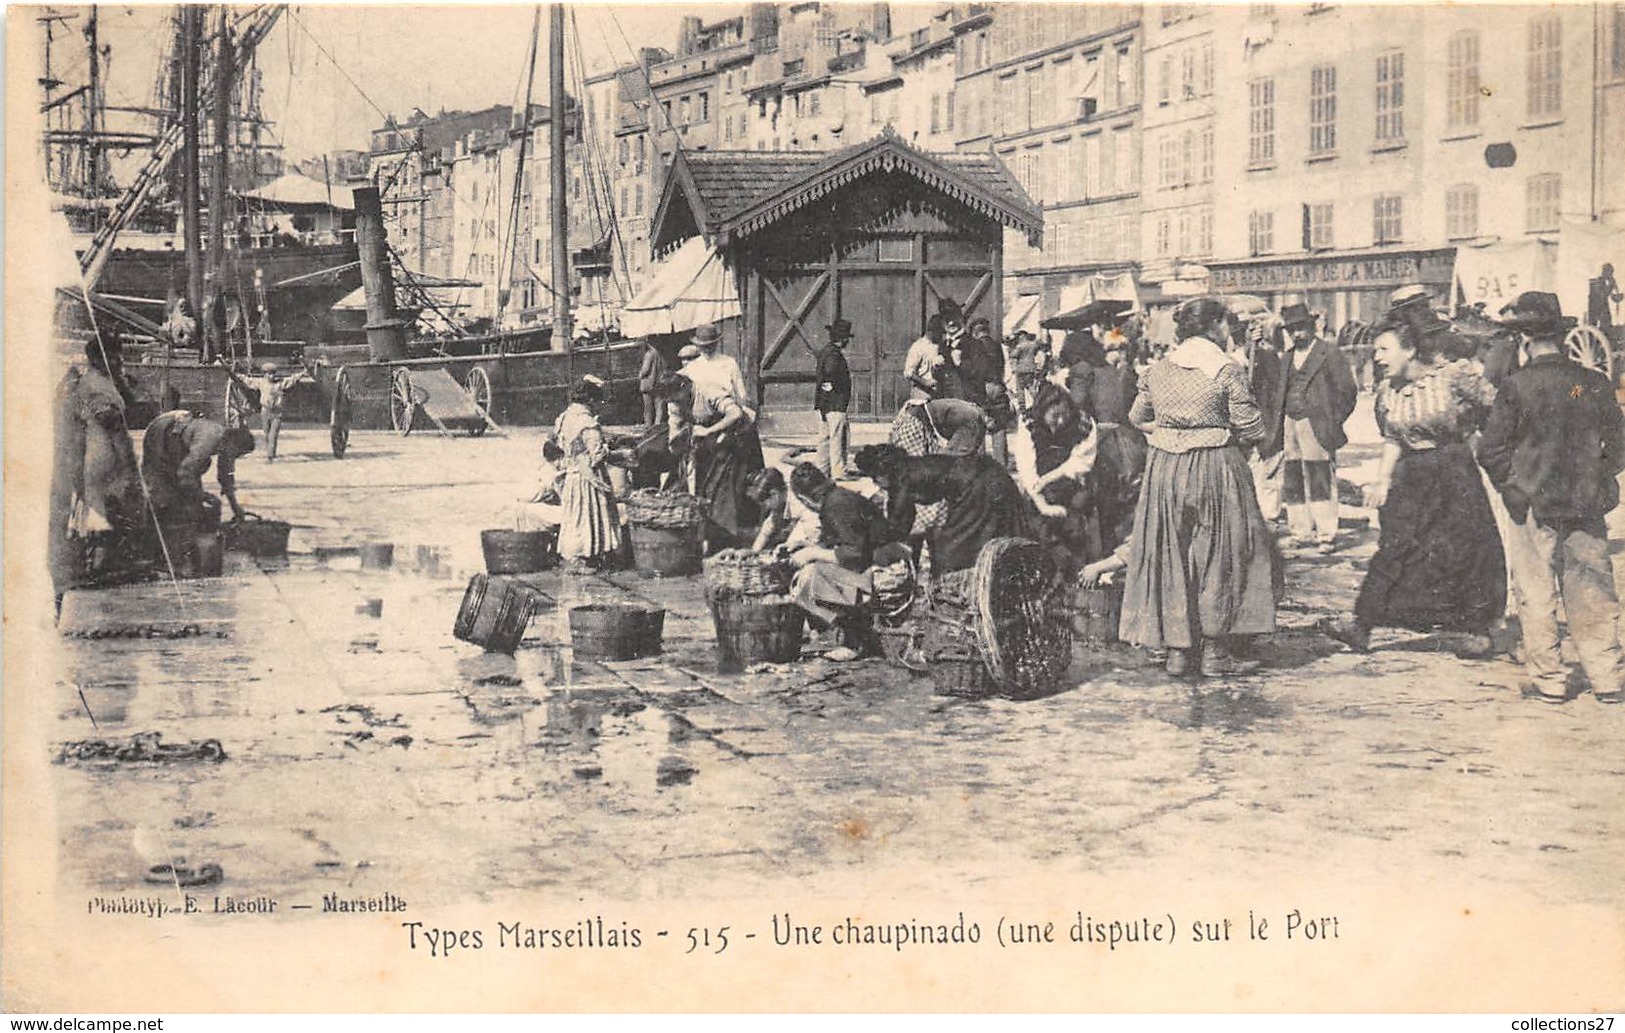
(666,551)
(518,552)
(494,614)
(752,629)
(1096,613)
(613,632)
(209,554)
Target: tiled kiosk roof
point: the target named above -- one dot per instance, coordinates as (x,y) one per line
(727,195)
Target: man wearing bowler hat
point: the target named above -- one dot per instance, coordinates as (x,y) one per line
(832,398)
(1314,396)
(1554,446)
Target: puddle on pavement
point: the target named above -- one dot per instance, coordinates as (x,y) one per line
(1220,710)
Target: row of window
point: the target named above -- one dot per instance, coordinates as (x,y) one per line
(1019,29)
(1056,91)
(1106,238)
(1185,158)
(1542,214)
(1186,235)
(1194,75)
(1100,164)
(689,109)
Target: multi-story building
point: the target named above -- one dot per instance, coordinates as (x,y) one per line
(920,83)
(1055,92)
(1179,153)
(704,80)
(808,93)
(1370,148)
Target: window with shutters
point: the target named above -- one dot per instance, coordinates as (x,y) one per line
(1167,163)
(1541,212)
(1546,66)
(1323,110)
(1163,243)
(1391,98)
(1108,163)
(1184,240)
(1204,172)
(1127,157)
(1125,76)
(1461,212)
(1261,233)
(948,112)
(1189,63)
(1320,226)
(1261,122)
(1187,158)
(1065,188)
(1204,232)
(1615,61)
(1165,75)
(1387,219)
(1462,81)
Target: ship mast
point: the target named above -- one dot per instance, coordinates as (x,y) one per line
(561,229)
(191,69)
(220,220)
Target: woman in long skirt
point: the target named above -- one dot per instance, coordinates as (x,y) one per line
(1199,566)
(1439,564)
(590,527)
(727,451)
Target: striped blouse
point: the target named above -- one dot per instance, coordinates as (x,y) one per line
(1444,406)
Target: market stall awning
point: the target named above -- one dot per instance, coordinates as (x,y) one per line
(691,287)
(296,191)
(1023,315)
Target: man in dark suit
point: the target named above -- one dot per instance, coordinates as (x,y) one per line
(1554,446)
(1314,396)
(832,398)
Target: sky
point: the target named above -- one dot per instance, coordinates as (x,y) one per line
(331,72)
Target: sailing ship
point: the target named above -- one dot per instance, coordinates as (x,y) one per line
(475,382)
(274,271)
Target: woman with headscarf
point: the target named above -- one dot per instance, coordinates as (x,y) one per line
(1199,563)
(589,526)
(1439,564)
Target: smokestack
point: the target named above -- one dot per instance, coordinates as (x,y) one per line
(386,333)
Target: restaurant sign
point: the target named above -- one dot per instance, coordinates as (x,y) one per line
(1311,274)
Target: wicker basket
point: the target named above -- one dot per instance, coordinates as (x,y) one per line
(652,508)
(961,674)
(747,572)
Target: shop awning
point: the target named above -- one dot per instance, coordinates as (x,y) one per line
(690,288)
(1498,273)
(1023,315)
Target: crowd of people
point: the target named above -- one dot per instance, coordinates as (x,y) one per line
(1177,473)
(1189,473)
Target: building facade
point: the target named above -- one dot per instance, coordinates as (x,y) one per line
(1179,157)
(1055,93)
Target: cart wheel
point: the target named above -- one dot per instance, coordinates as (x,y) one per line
(1588,346)
(403,407)
(479,392)
(339,420)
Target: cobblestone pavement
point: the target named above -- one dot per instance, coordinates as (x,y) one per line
(367,750)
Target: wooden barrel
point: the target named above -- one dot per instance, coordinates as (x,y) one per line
(606,631)
(754,628)
(666,551)
(494,614)
(518,552)
(260,538)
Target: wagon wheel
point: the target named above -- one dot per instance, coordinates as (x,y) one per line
(479,392)
(1588,346)
(339,419)
(403,405)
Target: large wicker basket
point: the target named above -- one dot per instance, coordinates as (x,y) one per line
(1011,610)
(747,572)
(652,508)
